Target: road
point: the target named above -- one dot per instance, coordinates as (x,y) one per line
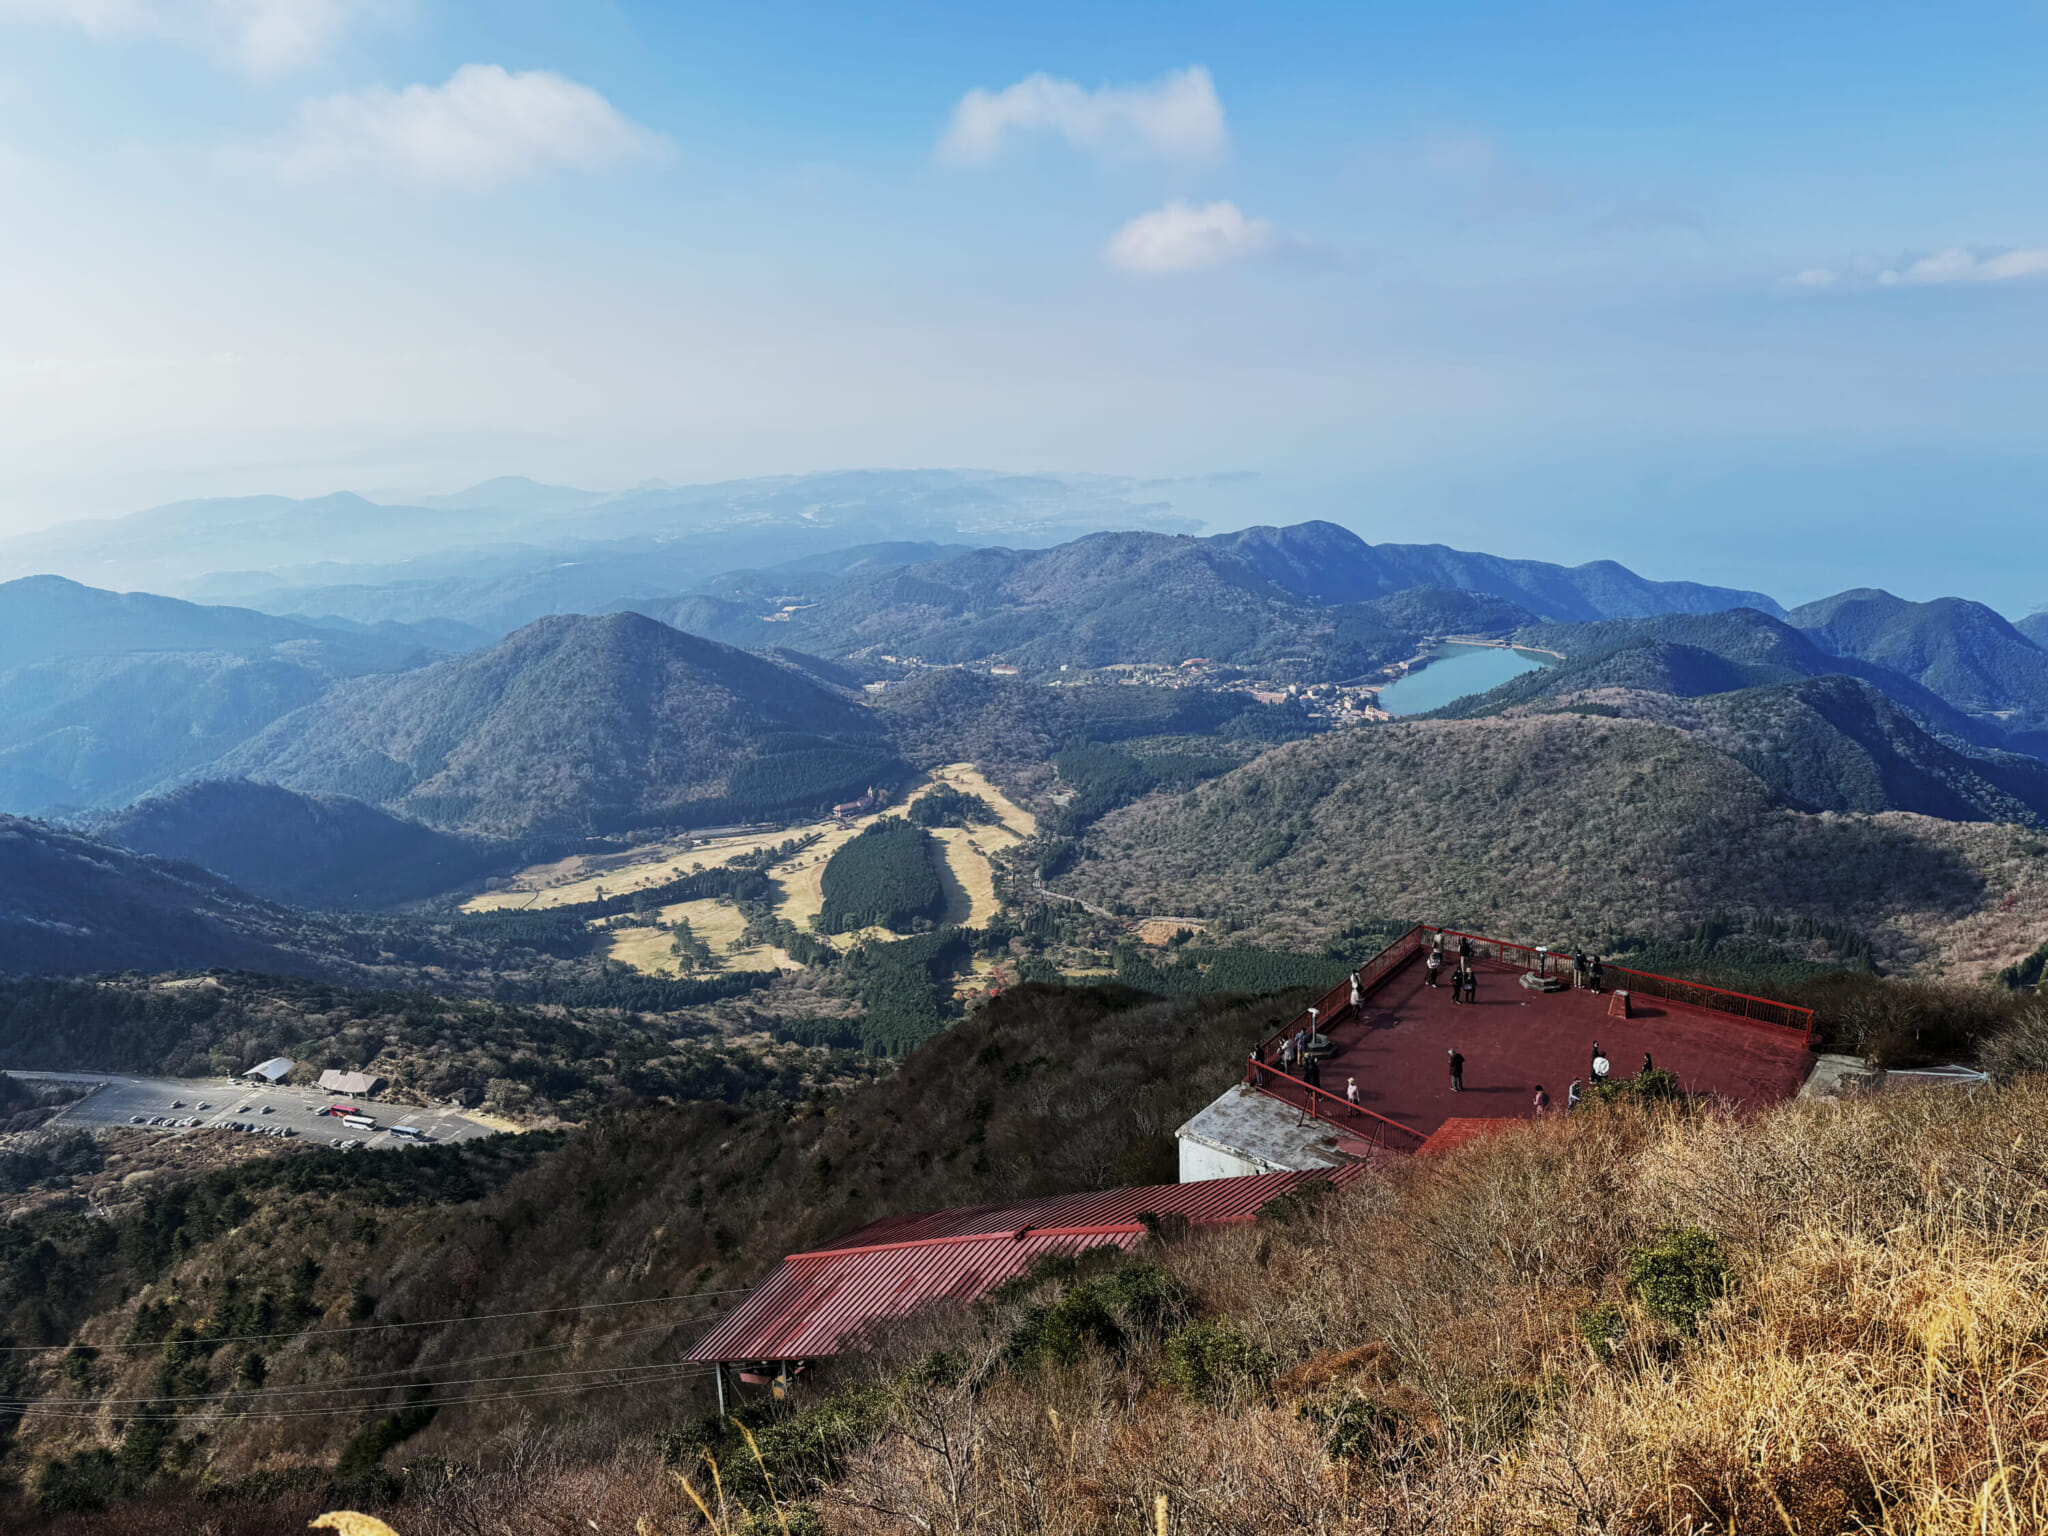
(116,1099)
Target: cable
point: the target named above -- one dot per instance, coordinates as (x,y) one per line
(318,1389)
(437,1322)
(681,1374)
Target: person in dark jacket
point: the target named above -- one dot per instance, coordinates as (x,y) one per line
(1471,986)
(1597,975)
(1457,1071)
(1578,967)
(1646,1063)
(1597,1052)
(1312,1074)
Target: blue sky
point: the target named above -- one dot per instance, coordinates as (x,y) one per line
(1745,293)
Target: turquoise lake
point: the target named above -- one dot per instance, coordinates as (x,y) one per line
(1455,672)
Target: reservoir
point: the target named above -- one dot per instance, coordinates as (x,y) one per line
(1455,672)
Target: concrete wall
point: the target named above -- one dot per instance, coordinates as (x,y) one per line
(1199,1161)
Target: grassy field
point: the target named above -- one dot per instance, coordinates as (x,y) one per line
(717,923)
(579,878)
(968,876)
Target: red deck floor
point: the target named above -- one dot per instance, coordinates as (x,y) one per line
(1512,1039)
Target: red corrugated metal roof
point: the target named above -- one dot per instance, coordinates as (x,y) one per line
(819,1302)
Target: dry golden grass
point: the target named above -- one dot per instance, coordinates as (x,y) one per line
(1879,1362)
(717,923)
(580,878)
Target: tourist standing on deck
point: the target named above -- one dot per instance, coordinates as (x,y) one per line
(1471,986)
(1647,1068)
(1601,1067)
(1542,1100)
(1351,1093)
(1432,965)
(1597,1053)
(1578,967)
(1598,976)
(1357,996)
(1312,1074)
(1287,1055)
(1464,951)
(1258,1066)
(1457,1071)
(1572,1096)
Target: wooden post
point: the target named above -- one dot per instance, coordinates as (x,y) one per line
(718,1375)
(1159,1513)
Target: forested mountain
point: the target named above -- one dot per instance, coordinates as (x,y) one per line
(309,850)
(1838,744)
(106,695)
(578,725)
(71,904)
(1960,650)
(1324,563)
(1311,603)
(1692,655)
(1559,824)
(2035,627)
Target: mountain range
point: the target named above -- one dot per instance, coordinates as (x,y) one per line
(577,725)
(104,696)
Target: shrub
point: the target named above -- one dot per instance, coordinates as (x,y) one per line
(1212,1359)
(1601,1327)
(883,878)
(1679,1276)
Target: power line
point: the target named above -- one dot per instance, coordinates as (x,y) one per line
(437,1322)
(621,1373)
(681,1373)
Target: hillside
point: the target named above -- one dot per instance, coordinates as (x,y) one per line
(1325,563)
(1308,602)
(69,904)
(1692,655)
(106,695)
(1960,650)
(1564,826)
(308,850)
(1838,744)
(578,725)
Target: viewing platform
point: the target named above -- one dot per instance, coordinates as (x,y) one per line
(1396,1044)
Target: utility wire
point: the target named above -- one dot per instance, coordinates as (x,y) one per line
(681,1374)
(316,1389)
(436,1322)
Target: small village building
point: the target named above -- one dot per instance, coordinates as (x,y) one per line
(275,1070)
(350,1085)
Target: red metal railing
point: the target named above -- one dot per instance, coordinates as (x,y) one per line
(1697,994)
(1335,1007)
(1331,1107)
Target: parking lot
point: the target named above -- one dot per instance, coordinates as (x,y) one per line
(210,1101)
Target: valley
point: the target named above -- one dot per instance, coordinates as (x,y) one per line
(687,952)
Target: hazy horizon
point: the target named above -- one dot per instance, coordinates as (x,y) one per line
(1745,298)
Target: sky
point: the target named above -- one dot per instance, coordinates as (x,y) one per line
(1743,293)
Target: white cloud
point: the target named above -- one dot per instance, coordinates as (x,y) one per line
(1956,264)
(263,37)
(1182,237)
(99,17)
(269,37)
(1176,118)
(485,126)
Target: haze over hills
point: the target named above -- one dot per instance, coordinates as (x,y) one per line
(272,543)
(104,696)
(1306,593)
(576,725)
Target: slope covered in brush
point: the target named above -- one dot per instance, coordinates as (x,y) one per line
(1838,744)
(1557,825)
(578,725)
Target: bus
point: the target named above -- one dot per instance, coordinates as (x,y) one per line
(360,1122)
